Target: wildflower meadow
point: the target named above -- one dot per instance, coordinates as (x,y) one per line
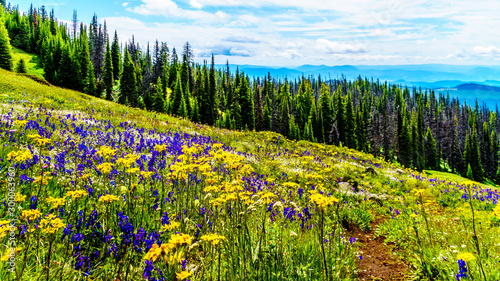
(98,191)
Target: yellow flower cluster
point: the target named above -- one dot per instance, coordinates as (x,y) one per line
(160,147)
(128,160)
(183,275)
(21,123)
(213,238)
(146,174)
(8,254)
(42,141)
(105,168)
(4,228)
(180,239)
(108,198)
(20,197)
(42,180)
(31,214)
(76,194)
(51,223)
(465,256)
(496,211)
(173,225)
(106,152)
(56,202)
(323,201)
(175,240)
(20,156)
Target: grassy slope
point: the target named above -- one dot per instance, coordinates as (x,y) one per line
(32,61)
(348,165)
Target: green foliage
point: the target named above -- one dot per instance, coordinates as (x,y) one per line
(5,47)
(108,75)
(116,57)
(21,66)
(128,86)
(431,156)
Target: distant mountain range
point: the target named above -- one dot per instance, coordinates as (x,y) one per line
(429,76)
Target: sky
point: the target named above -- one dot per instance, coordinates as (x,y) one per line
(296,32)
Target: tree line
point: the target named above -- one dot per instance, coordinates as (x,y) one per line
(415,127)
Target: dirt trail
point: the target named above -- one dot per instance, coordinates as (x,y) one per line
(378,263)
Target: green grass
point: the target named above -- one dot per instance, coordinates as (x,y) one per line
(428,236)
(32,61)
(457,178)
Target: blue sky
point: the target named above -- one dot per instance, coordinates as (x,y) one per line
(296,32)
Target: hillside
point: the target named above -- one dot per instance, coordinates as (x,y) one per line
(212,203)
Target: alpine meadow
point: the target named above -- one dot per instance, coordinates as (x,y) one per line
(122,159)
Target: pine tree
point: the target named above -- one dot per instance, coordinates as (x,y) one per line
(128,90)
(469,174)
(212,91)
(116,57)
(432,160)
(477,168)
(67,74)
(339,116)
(157,99)
(107,71)
(247,105)
(21,66)
(404,141)
(325,106)
(178,98)
(349,123)
(90,87)
(5,47)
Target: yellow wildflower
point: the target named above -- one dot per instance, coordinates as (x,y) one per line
(180,239)
(51,223)
(42,180)
(20,197)
(160,147)
(465,256)
(108,198)
(4,228)
(42,141)
(496,211)
(76,194)
(183,275)
(213,238)
(31,214)
(133,170)
(146,174)
(171,226)
(56,202)
(8,254)
(105,168)
(106,152)
(323,201)
(21,123)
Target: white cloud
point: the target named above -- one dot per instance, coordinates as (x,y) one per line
(239,52)
(486,50)
(125,4)
(333,47)
(156,7)
(195,4)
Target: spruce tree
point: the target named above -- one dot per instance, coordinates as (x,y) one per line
(432,159)
(339,116)
(21,66)
(5,47)
(404,140)
(128,90)
(90,87)
(67,76)
(477,168)
(107,71)
(178,98)
(157,100)
(247,105)
(350,138)
(325,106)
(116,57)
